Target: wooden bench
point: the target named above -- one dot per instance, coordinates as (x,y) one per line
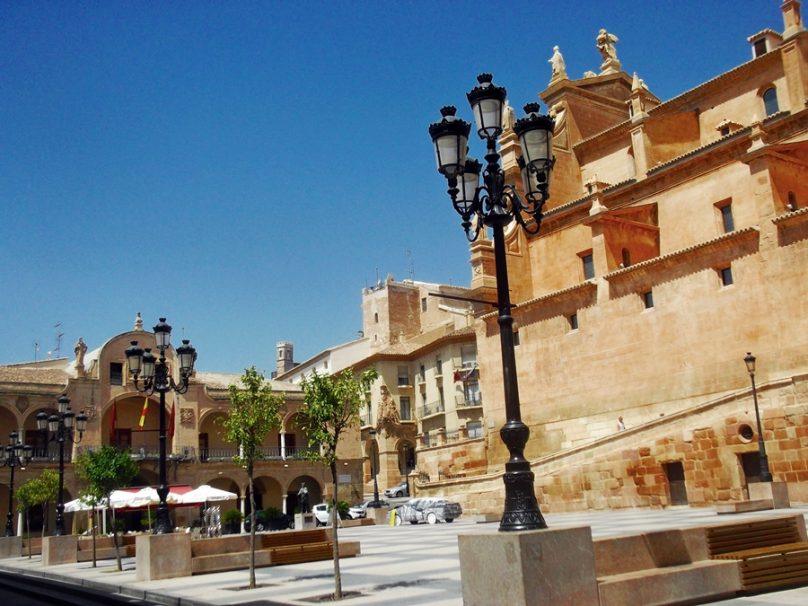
(105,548)
(280,547)
(772,552)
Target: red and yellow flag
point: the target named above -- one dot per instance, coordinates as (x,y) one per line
(143,412)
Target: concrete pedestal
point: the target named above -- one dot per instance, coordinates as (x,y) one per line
(777,492)
(378,515)
(304,521)
(162,556)
(554,567)
(10,547)
(60,550)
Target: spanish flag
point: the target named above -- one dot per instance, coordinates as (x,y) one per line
(143,412)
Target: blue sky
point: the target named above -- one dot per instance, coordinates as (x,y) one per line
(246,168)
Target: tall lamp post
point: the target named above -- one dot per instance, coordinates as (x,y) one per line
(765,474)
(496,204)
(373,454)
(61,428)
(16,455)
(150,375)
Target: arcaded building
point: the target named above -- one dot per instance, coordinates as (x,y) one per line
(674,242)
(97,383)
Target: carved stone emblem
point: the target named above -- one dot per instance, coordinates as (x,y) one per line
(22,403)
(187,416)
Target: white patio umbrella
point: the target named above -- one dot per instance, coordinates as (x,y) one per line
(205,493)
(148,496)
(81,504)
(120,498)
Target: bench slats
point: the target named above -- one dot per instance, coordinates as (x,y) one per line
(771,553)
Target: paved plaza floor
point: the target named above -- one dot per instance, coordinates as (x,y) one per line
(399,566)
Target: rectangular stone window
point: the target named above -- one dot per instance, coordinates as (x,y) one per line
(115,373)
(404,408)
(648,299)
(725,212)
(725,274)
(423,303)
(588,265)
(403,376)
(573,321)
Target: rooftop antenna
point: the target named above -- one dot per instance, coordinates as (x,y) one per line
(59,336)
(36,350)
(411,268)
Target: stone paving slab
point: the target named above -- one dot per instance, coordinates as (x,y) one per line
(399,566)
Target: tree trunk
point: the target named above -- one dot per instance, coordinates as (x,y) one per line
(252,525)
(115,540)
(28,529)
(93,529)
(334,518)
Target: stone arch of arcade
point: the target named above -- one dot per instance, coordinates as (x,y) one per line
(212,442)
(407,460)
(268,493)
(120,424)
(315,493)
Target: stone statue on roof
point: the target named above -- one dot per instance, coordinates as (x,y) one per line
(80,348)
(605,43)
(558,65)
(508,117)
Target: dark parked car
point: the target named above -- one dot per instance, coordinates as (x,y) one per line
(428,509)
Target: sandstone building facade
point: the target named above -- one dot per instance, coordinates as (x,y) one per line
(674,242)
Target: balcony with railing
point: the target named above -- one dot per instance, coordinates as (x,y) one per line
(435,408)
(469,400)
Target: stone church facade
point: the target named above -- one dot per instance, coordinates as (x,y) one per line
(674,242)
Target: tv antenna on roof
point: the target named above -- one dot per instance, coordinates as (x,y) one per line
(411,264)
(59,336)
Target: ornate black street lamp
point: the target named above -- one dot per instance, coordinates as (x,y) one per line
(765,474)
(61,427)
(373,456)
(155,376)
(496,204)
(16,455)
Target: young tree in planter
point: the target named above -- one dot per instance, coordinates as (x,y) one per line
(332,405)
(37,491)
(27,498)
(105,470)
(47,491)
(254,412)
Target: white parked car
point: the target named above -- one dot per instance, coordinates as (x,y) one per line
(322,517)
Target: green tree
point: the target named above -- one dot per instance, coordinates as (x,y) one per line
(27,498)
(254,412)
(48,489)
(105,470)
(37,491)
(332,405)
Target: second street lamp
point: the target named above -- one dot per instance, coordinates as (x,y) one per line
(61,428)
(374,457)
(151,374)
(16,455)
(765,474)
(495,204)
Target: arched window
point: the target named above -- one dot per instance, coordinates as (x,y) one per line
(770,101)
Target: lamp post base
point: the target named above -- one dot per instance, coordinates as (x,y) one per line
(162,524)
